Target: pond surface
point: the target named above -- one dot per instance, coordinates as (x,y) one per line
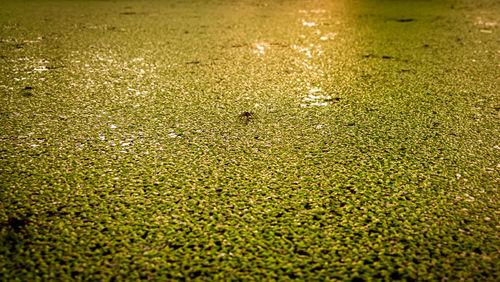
(307,140)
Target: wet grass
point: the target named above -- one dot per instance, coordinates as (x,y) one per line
(249,140)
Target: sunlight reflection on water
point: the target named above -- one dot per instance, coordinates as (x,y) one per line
(330,36)
(259,48)
(307,52)
(314,96)
(308,23)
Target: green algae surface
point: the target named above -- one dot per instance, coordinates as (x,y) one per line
(249,140)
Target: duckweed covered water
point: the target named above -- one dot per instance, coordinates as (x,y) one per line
(308,140)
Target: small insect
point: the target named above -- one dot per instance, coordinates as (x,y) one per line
(246,117)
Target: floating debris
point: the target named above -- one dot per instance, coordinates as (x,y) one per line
(27,91)
(334,99)
(372,56)
(54,67)
(407,20)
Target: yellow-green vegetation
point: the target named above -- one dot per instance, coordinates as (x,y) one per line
(307,140)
